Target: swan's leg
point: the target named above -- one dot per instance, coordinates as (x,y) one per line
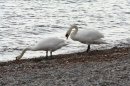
(46,53)
(88,48)
(51,53)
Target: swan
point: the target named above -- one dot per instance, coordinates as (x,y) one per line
(87,36)
(48,44)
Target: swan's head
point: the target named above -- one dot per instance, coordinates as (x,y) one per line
(70,29)
(18,57)
(67,35)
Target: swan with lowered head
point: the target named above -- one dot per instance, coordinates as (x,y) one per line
(49,44)
(87,36)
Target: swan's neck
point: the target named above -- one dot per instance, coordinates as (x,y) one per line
(20,56)
(76,29)
(25,51)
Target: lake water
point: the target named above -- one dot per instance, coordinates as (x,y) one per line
(24,22)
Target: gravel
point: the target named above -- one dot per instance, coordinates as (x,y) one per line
(70,70)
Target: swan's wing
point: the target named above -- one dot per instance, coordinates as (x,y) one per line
(88,35)
(94,34)
(55,44)
(54,41)
(51,43)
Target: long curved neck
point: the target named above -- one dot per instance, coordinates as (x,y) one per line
(25,51)
(76,29)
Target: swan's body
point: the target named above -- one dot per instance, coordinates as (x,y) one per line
(49,44)
(87,36)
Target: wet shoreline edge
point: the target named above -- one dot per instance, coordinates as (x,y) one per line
(102,55)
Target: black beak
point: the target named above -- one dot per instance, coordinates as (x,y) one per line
(66,36)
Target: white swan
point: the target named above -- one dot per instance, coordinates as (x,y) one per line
(49,44)
(87,36)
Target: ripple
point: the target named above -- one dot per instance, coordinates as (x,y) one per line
(23,23)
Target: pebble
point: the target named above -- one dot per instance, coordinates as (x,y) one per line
(49,73)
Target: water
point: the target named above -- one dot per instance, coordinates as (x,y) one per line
(24,22)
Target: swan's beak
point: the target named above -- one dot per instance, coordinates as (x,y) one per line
(66,36)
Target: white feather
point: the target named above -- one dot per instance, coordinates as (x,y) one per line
(48,44)
(87,36)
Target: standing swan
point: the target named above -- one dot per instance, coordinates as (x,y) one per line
(87,36)
(48,44)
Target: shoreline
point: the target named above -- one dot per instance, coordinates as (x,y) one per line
(109,67)
(79,56)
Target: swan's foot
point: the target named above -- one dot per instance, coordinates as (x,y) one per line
(46,54)
(50,54)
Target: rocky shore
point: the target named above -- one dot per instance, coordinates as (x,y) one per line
(110,67)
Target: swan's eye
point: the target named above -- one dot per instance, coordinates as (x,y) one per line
(66,35)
